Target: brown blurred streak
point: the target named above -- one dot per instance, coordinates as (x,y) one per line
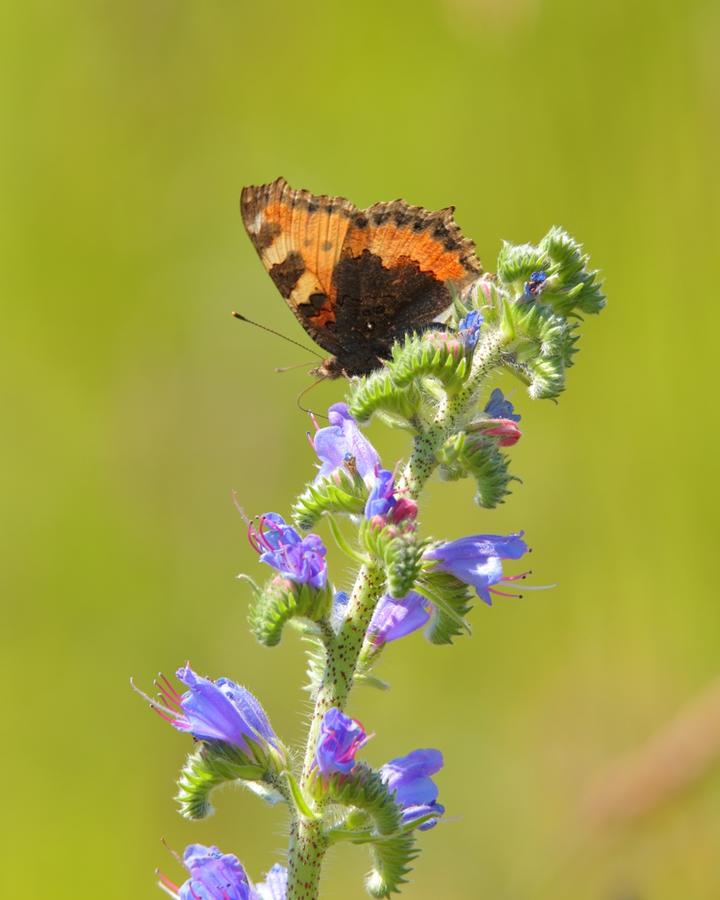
(669,763)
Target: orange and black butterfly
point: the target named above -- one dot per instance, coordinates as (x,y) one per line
(357,279)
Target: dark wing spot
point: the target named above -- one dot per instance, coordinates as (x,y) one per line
(317,301)
(418,225)
(360,221)
(286,274)
(267,234)
(450,244)
(400,218)
(326,246)
(312,206)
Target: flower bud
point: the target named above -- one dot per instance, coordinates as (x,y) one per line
(339,740)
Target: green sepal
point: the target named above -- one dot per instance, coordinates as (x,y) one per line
(452,600)
(434,354)
(517,262)
(484,461)
(282,599)
(372,806)
(399,549)
(215,762)
(479,456)
(450,457)
(343,491)
(378,392)
(391,862)
(361,789)
(541,347)
(570,287)
(573,286)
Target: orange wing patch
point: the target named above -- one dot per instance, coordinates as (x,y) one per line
(298,234)
(397,231)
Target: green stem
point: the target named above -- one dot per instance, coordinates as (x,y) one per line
(344,652)
(308,844)
(308,841)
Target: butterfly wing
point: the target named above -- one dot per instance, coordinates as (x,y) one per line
(357,279)
(299,237)
(395,274)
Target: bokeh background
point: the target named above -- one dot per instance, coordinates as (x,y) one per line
(133,404)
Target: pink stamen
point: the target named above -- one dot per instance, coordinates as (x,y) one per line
(169,697)
(171,689)
(252,538)
(504,594)
(165,882)
(164,716)
(261,531)
(517,577)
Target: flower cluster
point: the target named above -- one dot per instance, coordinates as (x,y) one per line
(435,386)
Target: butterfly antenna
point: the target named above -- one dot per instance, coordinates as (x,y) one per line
(243,318)
(307,390)
(301,365)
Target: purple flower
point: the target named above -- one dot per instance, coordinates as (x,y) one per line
(383,505)
(339,740)
(301,559)
(394,619)
(213,876)
(469,328)
(534,285)
(215,711)
(477,560)
(275,885)
(499,408)
(341,441)
(415,792)
(382,497)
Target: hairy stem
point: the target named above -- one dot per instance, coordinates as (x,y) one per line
(308,844)
(308,841)
(344,651)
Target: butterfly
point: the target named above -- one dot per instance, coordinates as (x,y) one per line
(357,279)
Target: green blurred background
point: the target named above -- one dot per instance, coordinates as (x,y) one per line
(133,405)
